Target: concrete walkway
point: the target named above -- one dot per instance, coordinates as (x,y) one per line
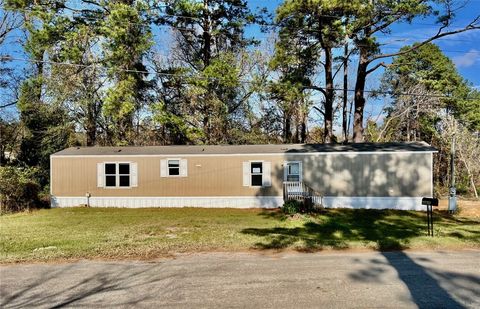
(242,280)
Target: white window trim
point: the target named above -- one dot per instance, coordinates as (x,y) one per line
(117,175)
(300,178)
(179,167)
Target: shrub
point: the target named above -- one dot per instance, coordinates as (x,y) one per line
(19,189)
(290,207)
(294,206)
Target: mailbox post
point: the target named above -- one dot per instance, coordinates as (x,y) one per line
(430,203)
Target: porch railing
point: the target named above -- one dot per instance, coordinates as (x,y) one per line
(300,191)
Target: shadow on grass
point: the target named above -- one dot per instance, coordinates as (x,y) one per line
(456,227)
(388,230)
(337,228)
(273,214)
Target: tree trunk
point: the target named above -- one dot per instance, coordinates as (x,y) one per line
(91,116)
(329,96)
(303,126)
(287,134)
(345,91)
(360,97)
(91,135)
(3,159)
(472,183)
(470,176)
(296,137)
(40,67)
(91,126)
(408,130)
(207,38)
(206,127)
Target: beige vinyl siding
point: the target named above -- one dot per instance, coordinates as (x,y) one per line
(356,174)
(207,176)
(383,175)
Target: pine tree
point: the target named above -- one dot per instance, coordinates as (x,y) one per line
(206,97)
(428,67)
(309,32)
(368,19)
(127,37)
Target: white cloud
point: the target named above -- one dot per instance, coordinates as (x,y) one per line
(468,59)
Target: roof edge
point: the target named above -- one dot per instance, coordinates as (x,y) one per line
(253,149)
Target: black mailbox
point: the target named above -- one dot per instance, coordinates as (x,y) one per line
(430,201)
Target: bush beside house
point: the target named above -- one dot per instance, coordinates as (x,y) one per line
(19,189)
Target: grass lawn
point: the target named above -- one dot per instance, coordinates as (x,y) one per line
(73,233)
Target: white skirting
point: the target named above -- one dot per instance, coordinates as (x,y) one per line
(194,201)
(401,203)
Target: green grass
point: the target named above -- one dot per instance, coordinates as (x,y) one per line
(74,233)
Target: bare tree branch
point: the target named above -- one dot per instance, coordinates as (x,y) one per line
(471,26)
(8,104)
(9,21)
(318,110)
(316,88)
(381,64)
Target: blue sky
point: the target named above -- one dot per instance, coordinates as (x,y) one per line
(463,48)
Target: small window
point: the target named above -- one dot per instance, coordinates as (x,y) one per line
(293,171)
(117,175)
(110,174)
(256,171)
(173,167)
(124,168)
(110,168)
(124,174)
(124,181)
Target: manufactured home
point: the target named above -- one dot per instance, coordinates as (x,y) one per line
(366,175)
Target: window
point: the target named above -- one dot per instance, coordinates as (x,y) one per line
(124,174)
(117,175)
(256,172)
(110,174)
(293,171)
(173,167)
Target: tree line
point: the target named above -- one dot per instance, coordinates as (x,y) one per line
(139,72)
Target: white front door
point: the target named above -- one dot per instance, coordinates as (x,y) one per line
(292,171)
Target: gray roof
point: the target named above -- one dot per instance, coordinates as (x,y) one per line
(246,149)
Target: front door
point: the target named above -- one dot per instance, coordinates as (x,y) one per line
(292,171)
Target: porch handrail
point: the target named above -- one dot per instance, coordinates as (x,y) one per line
(298,190)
